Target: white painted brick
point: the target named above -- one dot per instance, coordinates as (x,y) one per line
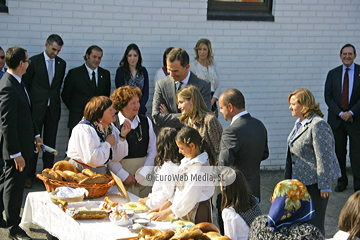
(112,8)
(72,7)
(180,4)
(142,17)
(81,15)
(62,14)
(144,4)
(82,29)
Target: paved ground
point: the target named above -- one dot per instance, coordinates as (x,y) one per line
(268,181)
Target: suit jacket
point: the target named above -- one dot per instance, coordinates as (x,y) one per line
(333,88)
(244,145)
(37,82)
(78,90)
(311,154)
(17,128)
(165,94)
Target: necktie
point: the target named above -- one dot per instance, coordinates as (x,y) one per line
(178,85)
(50,70)
(1,74)
(93,80)
(345,91)
(23,84)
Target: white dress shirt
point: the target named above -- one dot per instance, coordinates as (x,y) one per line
(237,116)
(90,71)
(234,225)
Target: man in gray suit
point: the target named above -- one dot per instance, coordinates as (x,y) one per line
(164,109)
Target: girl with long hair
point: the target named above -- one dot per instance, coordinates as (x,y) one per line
(191,200)
(167,163)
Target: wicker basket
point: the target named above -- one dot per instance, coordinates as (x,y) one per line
(95,190)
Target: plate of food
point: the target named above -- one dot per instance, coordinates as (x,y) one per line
(135,206)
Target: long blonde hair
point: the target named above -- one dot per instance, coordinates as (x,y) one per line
(307,100)
(198,109)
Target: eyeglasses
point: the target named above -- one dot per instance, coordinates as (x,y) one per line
(2,57)
(29,61)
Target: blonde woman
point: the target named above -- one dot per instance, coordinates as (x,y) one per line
(311,154)
(195,114)
(205,67)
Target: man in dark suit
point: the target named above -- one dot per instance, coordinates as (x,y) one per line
(342,95)
(244,143)
(164,108)
(2,72)
(43,80)
(84,82)
(2,63)
(17,131)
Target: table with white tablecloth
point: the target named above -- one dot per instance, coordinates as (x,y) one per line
(40,210)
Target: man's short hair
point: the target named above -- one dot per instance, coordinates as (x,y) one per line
(14,56)
(1,48)
(91,48)
(348,45)
(179,54)
(55,38)
(235,97)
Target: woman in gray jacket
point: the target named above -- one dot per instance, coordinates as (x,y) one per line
(311,152)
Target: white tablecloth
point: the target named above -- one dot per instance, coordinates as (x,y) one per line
(41,211)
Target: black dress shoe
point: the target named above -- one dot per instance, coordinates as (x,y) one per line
(340,188)
(19,235)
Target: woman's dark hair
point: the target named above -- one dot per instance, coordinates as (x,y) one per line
(189,135)
(166,147)
(238,194)
(124,64)
(349,218)
(166,52)
(96,107)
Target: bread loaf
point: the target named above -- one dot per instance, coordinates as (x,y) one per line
(64,166)
(147,233)
(51,174)
(88,172)
(216,236)
(205,227)
(62,174)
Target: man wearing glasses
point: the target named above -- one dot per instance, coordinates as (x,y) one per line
(2,63)
(17,133)
(43,79)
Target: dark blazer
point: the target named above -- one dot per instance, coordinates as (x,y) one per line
(244,145)
(165,94)
(78,90)
(17,128)
(311,157)
(333,88)
(37,82)
(120,81)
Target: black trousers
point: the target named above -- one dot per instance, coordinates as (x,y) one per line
(220,220)
(341,134)
(49,128)
(320,205)
(11,193)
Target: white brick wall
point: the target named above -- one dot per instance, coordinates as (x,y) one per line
(265,60)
